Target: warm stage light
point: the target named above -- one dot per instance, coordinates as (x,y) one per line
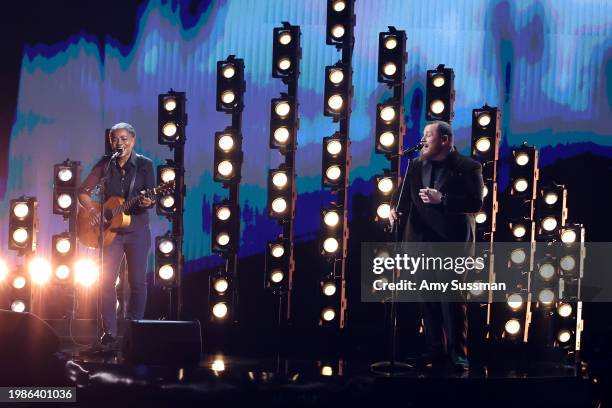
(277,276)
(221,285)
(20,235)
(568,263)
(518,256)
(167,175)
(282,109)
(62,245)
(330,245)
(390,43)
(387,139)
(521,185)
(385,185)
(564,336)
(217,365)
(483,144)
(387,113)
(337,31)
(225,168)
(166,272)
(228,97)
(19,282)
(64,201)
(223,213)
(21,210)
(327,371)
(280,179)
(438,81)
(328,314)
(281,135)
(333,172)
(339,6)
(220,310)
(484,119)
(329,288)
(62,272)
(279,205)
(551,198)
(229,71)
(284,64)
(331,218)
(18,306)
(437,106)
(519,231)
(335,102)
(515,301)
(336,76)
(485,191)
(568,236)
(383,210)
(226,143)
(546,296)
(64,174)
(85,272)
(512,326)
(167,201)
(334,147)
(546,271)
(169,104)
(564,310)
(40,270)
(390,69)
(166,246)
(284,37)
(223,239)
(549,223)
(522,159)
(481,217)
(277,250)
(3,270)
(169,129)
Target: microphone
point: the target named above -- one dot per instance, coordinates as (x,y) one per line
(411,150)
(117,153)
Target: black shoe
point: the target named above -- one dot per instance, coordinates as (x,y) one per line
(460,364)
(108,341)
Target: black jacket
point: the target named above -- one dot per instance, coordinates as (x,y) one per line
(453,219)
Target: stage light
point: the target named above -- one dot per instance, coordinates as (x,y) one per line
(282,124)
(546,296)
(221,285)
(334,161)
(64,174)
(331,218)
(85,272)
(225,227)
(281,135)
(230,85)
(568,263)
(171,118)
(63,245)
(564,336)
(223,212)
(66,181)
(278,264)
(383,211)
(520,185)
(331,230)
(551,198)
(385,185)
(3,270)
(339,23)
(335,75)
(62,272)
(337,31)
(328,314)
(280,193)
(388,127)
(223,239)
(279,205)
(485,191)
(286,52)
(391,57)
(519,231)
(512,326)
(165,246)
(484,119)
(440,94)
(387,113)
(518,256)
(19,282)
(167,201)
(564,309)
(481,217)
(335,102)
(568,236)
(551,212)
(329,288)
(277,276)
(21,210)
(228,156)
(549,223)
(217,365)
(166,272)
(167,196)
(330,245)
(23,224)
(18,306)
(546,270)
(20,235)
(515,301)
(521,159)
(40,270)
(336,91)
(327,371)
(333,172)
(277,250)
(220,310)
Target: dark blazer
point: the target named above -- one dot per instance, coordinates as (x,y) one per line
(452,220)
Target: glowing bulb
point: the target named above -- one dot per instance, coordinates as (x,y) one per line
(387,113)
(221,285)
(512,326)
(284,37)
(335,102)
(337,31)
(481,217)
(484,119)
(328,314)
(64,174)
(521,185)
(167,175)
(169,104)
(333,172)
(568,236)
(21,210)
(223,239)
(85,272)
(551,198)
(228,97)
(383,210)
(225,168)
(64,201)
(282,109)
(336,76)
(389,69)
(515,301)
(485,191)
(62,272)
(438,80)
(284,64)
(18,306)
(519,231)
(331,218)
(62,245)
(277,276)
(549,223)
(169,129)
(522,159)
(226,143)
(166,246)
(546,271)
(20,235)
(167,201)
(483,144)
(518,256)
(564,336)
(277,250)
(3,270)
(280,179)
(339,6)
(40,271)
(166,272)
(567,263)
(229,71)
(390,42)
(19,282)
(279,205)
(334,147)
(281,135)
(564,310)
(385,185)
(329,288)
(546,296)
(387,139)
(220,310)
(437,106)
(331,245)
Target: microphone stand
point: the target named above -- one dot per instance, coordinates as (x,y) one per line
(392,367)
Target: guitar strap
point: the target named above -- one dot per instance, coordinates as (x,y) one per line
(134,178)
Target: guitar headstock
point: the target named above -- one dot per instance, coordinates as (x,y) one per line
(164,188)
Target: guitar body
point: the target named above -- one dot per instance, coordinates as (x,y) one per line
(89,230)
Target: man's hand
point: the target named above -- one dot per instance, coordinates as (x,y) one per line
(145,202)
(430,196)
(393,216)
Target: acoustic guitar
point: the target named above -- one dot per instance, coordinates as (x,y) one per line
(115,217)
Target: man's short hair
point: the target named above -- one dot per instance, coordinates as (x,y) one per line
(443,128)
(123,125)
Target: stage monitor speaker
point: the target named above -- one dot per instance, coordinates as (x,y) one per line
(163,342)
(27,348)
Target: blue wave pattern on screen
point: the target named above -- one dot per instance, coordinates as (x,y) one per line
(545,63)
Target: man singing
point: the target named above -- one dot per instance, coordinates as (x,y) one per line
(128,174)
(444,190)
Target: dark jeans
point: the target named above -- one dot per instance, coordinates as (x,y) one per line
(135,245)
(445,328)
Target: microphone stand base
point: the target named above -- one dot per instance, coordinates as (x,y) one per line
(392,369)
